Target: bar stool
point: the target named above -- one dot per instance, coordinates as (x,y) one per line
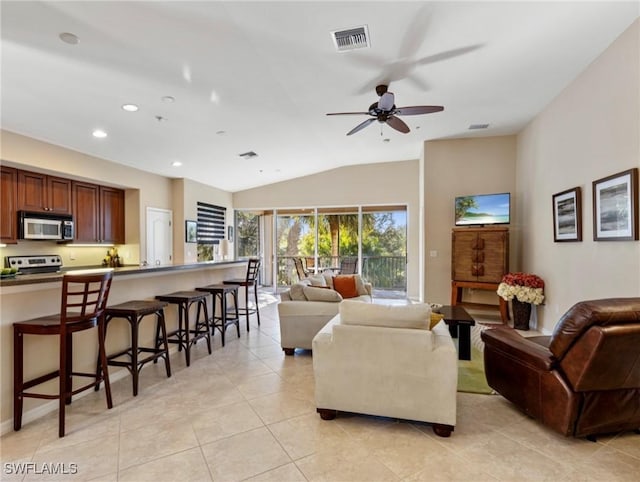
(134,312)
(84,298)
(185,336)
(251,279)
(226,318)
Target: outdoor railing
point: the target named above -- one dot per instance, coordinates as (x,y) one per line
(383,272)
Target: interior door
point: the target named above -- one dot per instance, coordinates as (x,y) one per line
(159,237)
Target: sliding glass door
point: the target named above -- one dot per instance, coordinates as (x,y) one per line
(371,240)
(384,249)
(337,236)
(295,237)
(247,236)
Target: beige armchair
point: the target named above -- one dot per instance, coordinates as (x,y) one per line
(305,309)
(385,361)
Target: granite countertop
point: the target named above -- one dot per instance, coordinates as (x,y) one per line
(26,279)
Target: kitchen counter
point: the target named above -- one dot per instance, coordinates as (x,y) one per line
(28,279)
(29,296)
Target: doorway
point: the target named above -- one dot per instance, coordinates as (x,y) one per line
(159,237)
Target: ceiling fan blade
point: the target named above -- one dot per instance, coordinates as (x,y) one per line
(361,126)
(418,82)
(418,109)
(348,113)
(397,124)
(386,101)
(447,54)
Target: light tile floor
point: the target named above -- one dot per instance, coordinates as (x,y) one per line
(247,412)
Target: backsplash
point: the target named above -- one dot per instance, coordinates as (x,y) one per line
(72,255)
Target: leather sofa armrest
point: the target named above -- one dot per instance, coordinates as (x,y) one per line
(511,343)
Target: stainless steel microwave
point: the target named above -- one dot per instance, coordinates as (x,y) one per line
(57,227)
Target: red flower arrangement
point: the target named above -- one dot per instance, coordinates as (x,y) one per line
(525,287)
(523,279)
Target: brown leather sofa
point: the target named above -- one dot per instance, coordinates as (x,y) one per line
(584,379)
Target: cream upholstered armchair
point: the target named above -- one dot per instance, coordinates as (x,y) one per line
(305,308)
(386,361)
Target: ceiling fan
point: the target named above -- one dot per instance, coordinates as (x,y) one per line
(385,111)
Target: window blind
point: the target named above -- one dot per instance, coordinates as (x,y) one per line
(211,223)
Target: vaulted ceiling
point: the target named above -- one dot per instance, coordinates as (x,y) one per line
(213,80)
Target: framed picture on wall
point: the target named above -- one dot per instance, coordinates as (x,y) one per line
(567,215)
(191,232)
(615,207)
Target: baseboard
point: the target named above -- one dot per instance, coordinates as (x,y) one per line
(52,406)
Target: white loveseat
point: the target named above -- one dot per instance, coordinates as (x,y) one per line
(386,361)
(304,309)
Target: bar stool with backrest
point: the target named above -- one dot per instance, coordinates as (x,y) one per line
(185,336)
(84,298)
(220,292)
(134,312)
(250,280)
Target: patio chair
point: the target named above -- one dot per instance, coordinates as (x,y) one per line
(349,266)
(302,272)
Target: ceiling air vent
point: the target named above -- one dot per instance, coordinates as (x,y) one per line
(248,155)
(478,126)
(351,39)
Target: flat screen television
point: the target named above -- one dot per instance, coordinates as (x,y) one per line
(483,209)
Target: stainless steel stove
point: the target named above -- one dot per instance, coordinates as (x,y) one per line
(35,264)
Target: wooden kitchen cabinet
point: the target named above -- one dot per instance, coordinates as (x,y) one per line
(8,205)
(112,215)
(98,213)
(41,193)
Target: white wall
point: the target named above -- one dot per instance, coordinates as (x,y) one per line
(458,167)
(192,193)
(590,131)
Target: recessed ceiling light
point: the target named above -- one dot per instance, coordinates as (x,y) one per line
(69,38)
(130,107)
(221,133)
(176,164)
(99,133)
(386,140)
(168,99)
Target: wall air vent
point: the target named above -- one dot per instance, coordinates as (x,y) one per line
(478,126)
(248,155)
(351,39)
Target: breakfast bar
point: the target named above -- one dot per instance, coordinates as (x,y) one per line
(30,296)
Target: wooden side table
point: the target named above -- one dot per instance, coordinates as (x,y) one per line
(460,323)
(456,296)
